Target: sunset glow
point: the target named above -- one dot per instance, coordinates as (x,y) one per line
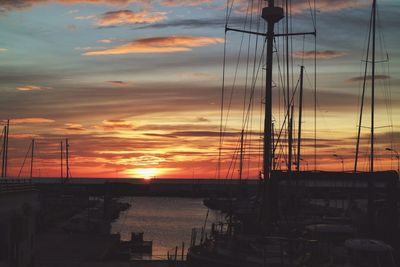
(135,86)
(146,173)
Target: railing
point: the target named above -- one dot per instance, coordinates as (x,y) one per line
(176,255)
(8,186)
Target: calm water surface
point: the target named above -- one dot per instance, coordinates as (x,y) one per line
(166,221)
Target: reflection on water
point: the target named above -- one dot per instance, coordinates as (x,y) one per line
(166,221)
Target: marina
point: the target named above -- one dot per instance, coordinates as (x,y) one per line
(249,184)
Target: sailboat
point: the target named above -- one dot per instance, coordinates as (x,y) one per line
(295,223)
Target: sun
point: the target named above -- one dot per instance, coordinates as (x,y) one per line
(146,173)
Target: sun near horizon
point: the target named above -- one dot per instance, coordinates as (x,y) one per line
(136,87)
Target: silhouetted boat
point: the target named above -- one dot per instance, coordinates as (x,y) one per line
(303,218)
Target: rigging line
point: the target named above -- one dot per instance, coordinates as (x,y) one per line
(319,107)
(287,114)
(229,12)
(247,62)
(291,41)
(254,81)
(312,14)
(260,144)
(23,163)
(232,163)
(280,78)
(235,77)
(363,96)
(385,82)
(221,112)
(302,56)
(361,72)
(234,83)
(253,86)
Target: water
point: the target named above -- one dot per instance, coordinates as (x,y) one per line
(166,221)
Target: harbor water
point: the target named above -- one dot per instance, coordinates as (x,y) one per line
(167,221)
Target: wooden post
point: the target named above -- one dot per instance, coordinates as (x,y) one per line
(183,250)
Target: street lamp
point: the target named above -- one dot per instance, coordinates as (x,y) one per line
(341,160)
(397,157)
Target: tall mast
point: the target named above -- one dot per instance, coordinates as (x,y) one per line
(6,148)
(290,138)
(360,120)
(272,15)
(273,147)
(4,151)
(32,153)
(67,158)
(289,128)
(300,118)
(373,86)
(61,160)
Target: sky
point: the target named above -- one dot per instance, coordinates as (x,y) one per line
(135,85)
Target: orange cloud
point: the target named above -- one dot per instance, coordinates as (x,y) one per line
(327,54)
(184,2)
(9,5)
(74,127)
(300,6)
(30,121)
(167,44)
(24,136)
(326,5)
(122,17)
(32,88)
(112,125)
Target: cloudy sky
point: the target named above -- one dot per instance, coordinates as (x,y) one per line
(135,85)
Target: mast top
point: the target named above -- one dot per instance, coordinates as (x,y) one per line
(272,14)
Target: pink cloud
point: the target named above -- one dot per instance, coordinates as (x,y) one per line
(122,17)
(326,54)
(167,44)
(32,88)
(30,121)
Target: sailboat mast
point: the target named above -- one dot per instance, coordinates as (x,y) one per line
(272,15)
(61,160)
(4,151)
(290,138)
(67,158)
(300,118)
(289,128)
(373,86)
(6,148)
(32,154)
